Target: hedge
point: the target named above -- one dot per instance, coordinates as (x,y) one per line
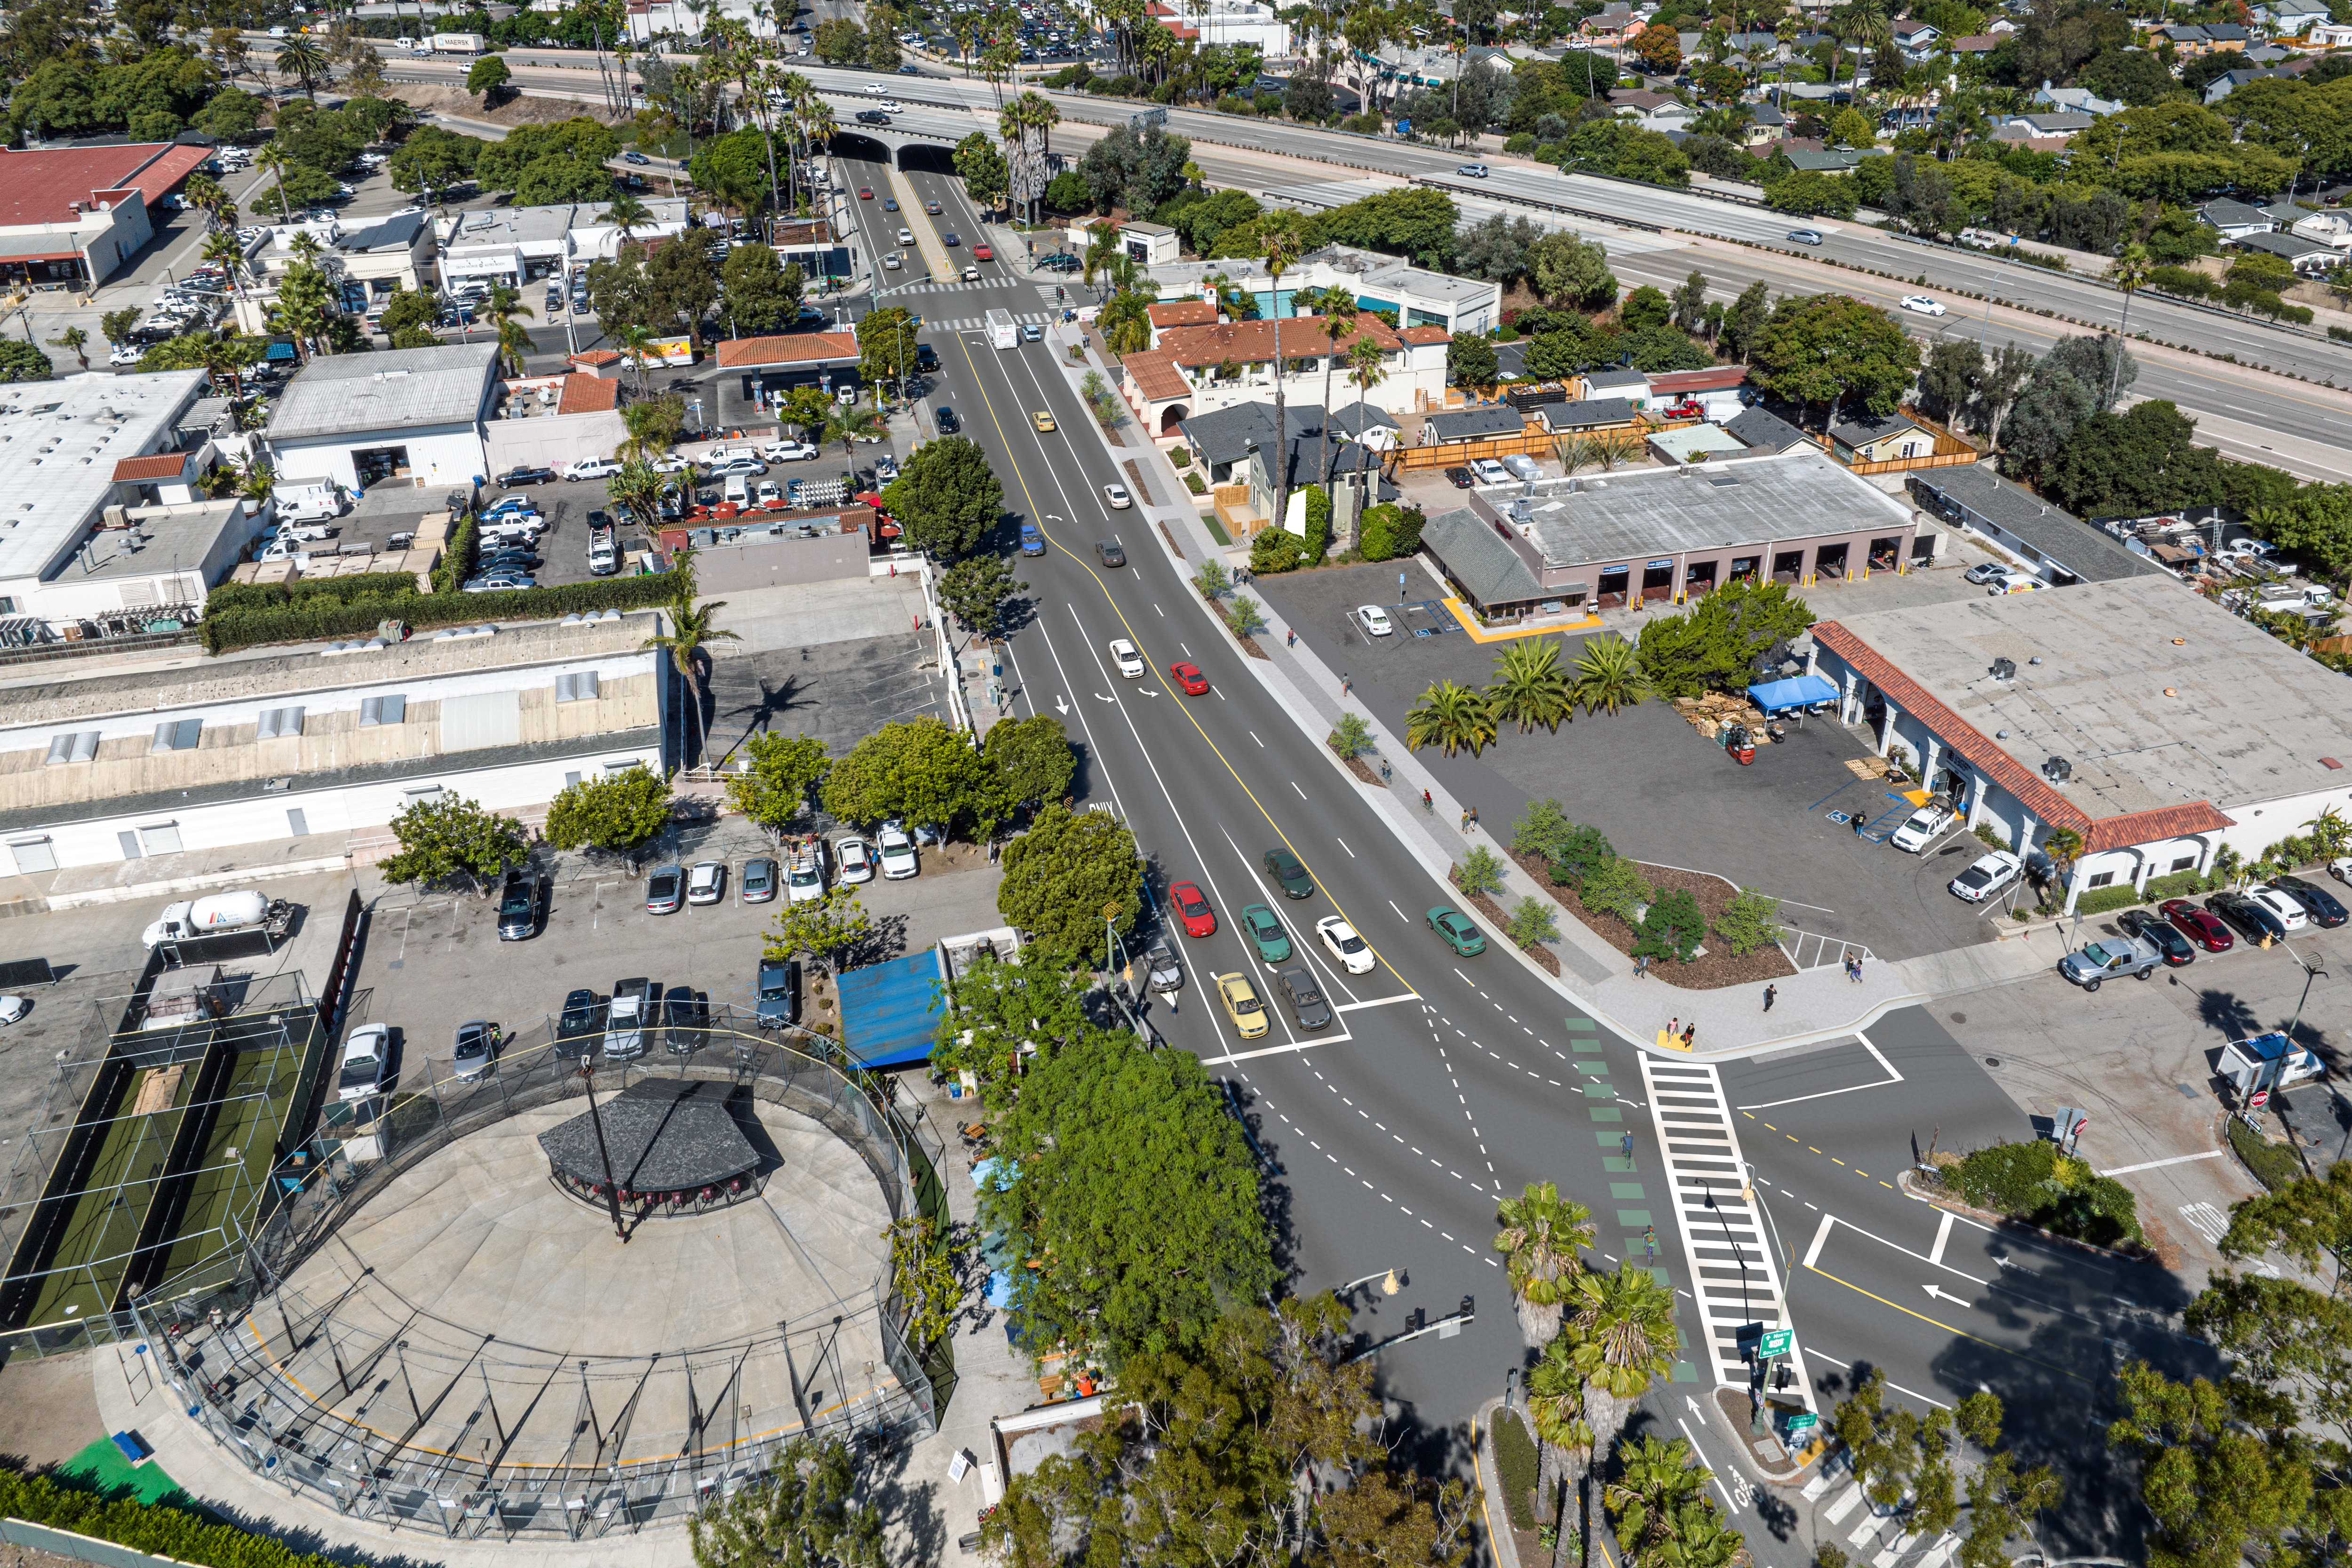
(2180,885)
(457,555)
(2274,1165)
(230,597)
(2101,900)
(158,1529)
(2035,1183)
(1515,1456)
(325,619)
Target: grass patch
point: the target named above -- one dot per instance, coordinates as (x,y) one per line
(1216,530)
(2274,1165)
(1515,1456)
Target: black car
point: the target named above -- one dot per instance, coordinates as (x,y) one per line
(2151,927)
(2317,901)
(926,359)
(2256,923)
(1462,478)
(1108,553)
(1284,868)
(871,117)
(519,907)
(514,477)
(1304,997)
(686,1017)
(583,1020)
(492,561)
(947,421)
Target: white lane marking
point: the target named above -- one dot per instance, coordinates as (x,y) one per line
(1891,1078)
(1821,1239)
(1399,913)
(1828,1220)
(1253,735)
(1943,1234)
(1343,844)
(2159,1164)
(1378,1002)
(1295,789)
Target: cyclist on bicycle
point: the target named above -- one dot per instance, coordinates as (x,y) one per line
(1424,800)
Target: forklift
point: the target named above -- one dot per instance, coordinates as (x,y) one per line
(1739,744)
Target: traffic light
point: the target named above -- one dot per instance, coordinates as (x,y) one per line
(1060,294)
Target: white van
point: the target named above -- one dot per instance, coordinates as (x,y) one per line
(739,490)
(308,506)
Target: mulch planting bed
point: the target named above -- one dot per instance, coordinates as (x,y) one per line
(1485,905)
(1714,968)
(1364,771)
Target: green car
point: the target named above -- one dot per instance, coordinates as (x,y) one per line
(1457,931)
(1273,942)
(1284,868)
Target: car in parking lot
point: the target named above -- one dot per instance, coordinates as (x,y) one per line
(513,476)
(1124,658)
(474,1047)
(1460,478)
(2109,957)
(706,883)
(665,890)
(126,353)
(1109,552)
(1806,236)
(1284,868)
(1456,931)
(1985,572)
(502,581)
(788,452)
(1986,876)
(1266,932)
(1304,997)
(519,907)
(778,1002)
(758,883)
(2283,906)
(1924,304)
(2159,933)
(1117,498)
(1239,998)
(626,1018)
(1188,676)
(2202,927)
(686,1017)
(1923,826)
(895,851)
(577,1026)
(2321,905)
(367,1056)
(1374,620)
(1490,472)
(2254,922)
(1192,909)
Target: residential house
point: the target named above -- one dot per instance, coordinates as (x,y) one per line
(1975,44)
(1487,422)
(2228,82)
(2289,18)
(1652,110)
(2333,229)
(2235,220)
(2329,36)
(1417,296)
(2189,39)
(1222,442)
(1879,438)
(1633,385)
(1190,371)
(1765,126)
(1917,39)
(1585,415)
(2306,256)
(1612,28)
(1767,434)
(2060,125)
(2078,99)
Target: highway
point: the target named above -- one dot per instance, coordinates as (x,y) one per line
(1447,1083)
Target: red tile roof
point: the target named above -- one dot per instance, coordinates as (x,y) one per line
(797,348)
(589,395)
(597,358)
(1428,333)
(1155,376)
(1184,313)
(1249,341)
(41,185)
(1986,757)
(161,466)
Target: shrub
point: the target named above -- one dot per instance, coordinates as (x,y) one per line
(2179,885)
(1480,871)
(1534,919)
(1193,482)
(2183,280)
(1179,457)
(1515,1456)
(1389,532)
(1574,857)
(2299,314)
(2035,1183)
(323,618)
(1614,886)
(2274,1165)
(1276,550)
(1245,616)
(230,597)
(1673,928)
(1750,921)
(1350,737)
(1521,144)
(1987,838)
(2341,335)
(156,1528)
(1541,828)
(2104,900)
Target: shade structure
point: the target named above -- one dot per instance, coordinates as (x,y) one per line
(663,1135)
(1798,691)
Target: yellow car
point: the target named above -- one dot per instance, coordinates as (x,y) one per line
(1242,1005)
(1043,421)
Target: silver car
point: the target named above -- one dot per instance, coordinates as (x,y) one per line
(475,1047)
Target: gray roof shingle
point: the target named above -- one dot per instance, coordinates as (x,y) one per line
(1488,570)
(1766,431)
(2060,536)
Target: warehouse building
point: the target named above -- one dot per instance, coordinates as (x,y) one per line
(404,417)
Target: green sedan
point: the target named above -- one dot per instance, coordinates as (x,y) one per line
(1273,942)
(1284,868)
(1455,929)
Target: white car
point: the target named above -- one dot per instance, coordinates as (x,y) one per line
(126,353)
(905,237)
(856,865)
(13,1008)
(367,1051)
(1926,304)
(1354,954)
(1488,471)
(2289,908)
(1118,496)
(893,261)
(897,852)
(1922,826)
(890,106)
(1129,662)
(1988,876)
(593,468)
(721,469)
(788,452)
(706,883)
(1374,620)
(670,463)
(1471,170)
(768,493)
(875,88)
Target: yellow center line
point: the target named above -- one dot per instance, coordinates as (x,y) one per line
(1137,637)
(1947,1328)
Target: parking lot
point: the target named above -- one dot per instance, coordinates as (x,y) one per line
(1654,786)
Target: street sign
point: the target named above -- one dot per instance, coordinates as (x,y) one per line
(1803,1421)
(1776,1340)
(2260,1097)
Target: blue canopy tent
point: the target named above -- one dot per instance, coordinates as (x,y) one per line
(1799,691)
(890,1012)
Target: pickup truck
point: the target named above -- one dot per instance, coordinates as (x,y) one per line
(626,1018)
(2111,956)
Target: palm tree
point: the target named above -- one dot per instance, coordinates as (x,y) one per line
(1452,716)
(1621,1339)
(1100,249)
(514,338)
(272,159)
(1280,242)
(1556,1408)
(635,345)
(1541,1237)
(2329,832)
(1335,308)
(1607,676)
(1367,364)
(626,213)
(2129,275)
(224,251)
(652,424)
(847,424)
(691,629)
(1125,323)
(1698,1537)
(1655,1479)
(637,488)
(299,55)
(1531,687)
(75,342)
(1029,111)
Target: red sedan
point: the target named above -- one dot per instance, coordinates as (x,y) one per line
(983,253)
(2202,927)
(865,193)
(1192,909)
(1190,677)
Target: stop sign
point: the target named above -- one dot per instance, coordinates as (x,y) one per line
(2260,1097)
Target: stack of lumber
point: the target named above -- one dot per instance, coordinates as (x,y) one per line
(1712,713)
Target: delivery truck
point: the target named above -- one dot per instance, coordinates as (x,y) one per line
(460,44)
(1002,332)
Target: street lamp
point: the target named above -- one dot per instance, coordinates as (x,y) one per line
(1390,1283)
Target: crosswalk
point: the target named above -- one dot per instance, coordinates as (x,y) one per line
(955,286)
(1732,1273)
(1881,1537)
(973,323)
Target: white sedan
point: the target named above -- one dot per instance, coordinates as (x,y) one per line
(1923,826)
(1118,496)
(1374,620)
(1926,304)
(13,1008)
(1129,662)
(1354,954)
(897,852)
(671,463)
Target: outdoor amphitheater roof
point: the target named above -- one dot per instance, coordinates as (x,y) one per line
(663,1134)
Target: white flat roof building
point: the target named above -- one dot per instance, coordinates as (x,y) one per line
(407,415)
(515,243)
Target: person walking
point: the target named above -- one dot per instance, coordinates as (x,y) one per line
(1674,1026)
(1769,992)
(1474,817)
(1690,1033)
(1465,819)
(1290,638)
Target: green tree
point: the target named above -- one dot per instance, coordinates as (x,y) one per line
(1671,928)
(758,292)
(1616,887)
(919,771)
(299,56)
(785,770)
(75,342)
(1658,1479)
(1452,716)
(1541,828)
(1723,640)
(1470,361)
(450,835)
(487,75)
(691,631)
(924,1276)
(115,326)
(1829,347)
(1479,871)
(1534,919)
(20,361)
(618,811)
(1750,921)
(1530,686)
(1350,737)
(820,927)
(1542,1241)
(839,41)
(1062,875)
(1034,758)
(2309,1220)
(2315,523)
(1947,383)
(947,497)
(2222,1480)
(1136,1198)
(1556,1409)
(987,178)
(999,1014)
(1568,271)
(1576,856)
(1607,676)
(804,1514)
(979,589)
(885,345)
(1621,1330)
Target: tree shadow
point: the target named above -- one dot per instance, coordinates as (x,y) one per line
(909,1509)
(2227,1012)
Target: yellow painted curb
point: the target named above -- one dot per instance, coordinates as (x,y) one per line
(1469,623)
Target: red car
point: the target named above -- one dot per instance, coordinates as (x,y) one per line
(1190,677)
(1192,909)
(865,193)
(983,253)
(2202,927)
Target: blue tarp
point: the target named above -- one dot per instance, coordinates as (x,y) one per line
(890,1012)
(1803,691)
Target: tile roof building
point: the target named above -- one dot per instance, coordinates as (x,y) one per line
(1193,370)
(73,214)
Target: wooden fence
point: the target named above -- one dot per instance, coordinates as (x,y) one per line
(1950,451)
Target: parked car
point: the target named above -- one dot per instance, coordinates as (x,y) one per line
(788,452)
(895,851)
(1461,478)
(1985,572)
(2256,923)
(1987,875)
(626,1018)
(513,476)
(779,1001)
(1923,826)
(2284,906)
(1164,968)
(367,1056)
(665,890)
(1456,931)
(2109,957)
(2159,933)
(945,420)
(577,1026)
(474,1047)
(1522,467)
(519,906)
(2322,905)
(2202,927)
(1374,620)
(854,860)
(706,883)
(1490,472)
(686,1019)
(1284,868)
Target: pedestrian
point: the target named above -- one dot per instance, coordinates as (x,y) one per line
(1290,638)
(1769,992)
(1860,823)
(1650,1241)
(1625,1145)
(1465,819)
(1674,1026)
(1854,968)
(1690,1033)
(1474,817)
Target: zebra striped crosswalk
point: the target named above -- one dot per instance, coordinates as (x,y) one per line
(1732,1273)
(1881,1535)
(973,323)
